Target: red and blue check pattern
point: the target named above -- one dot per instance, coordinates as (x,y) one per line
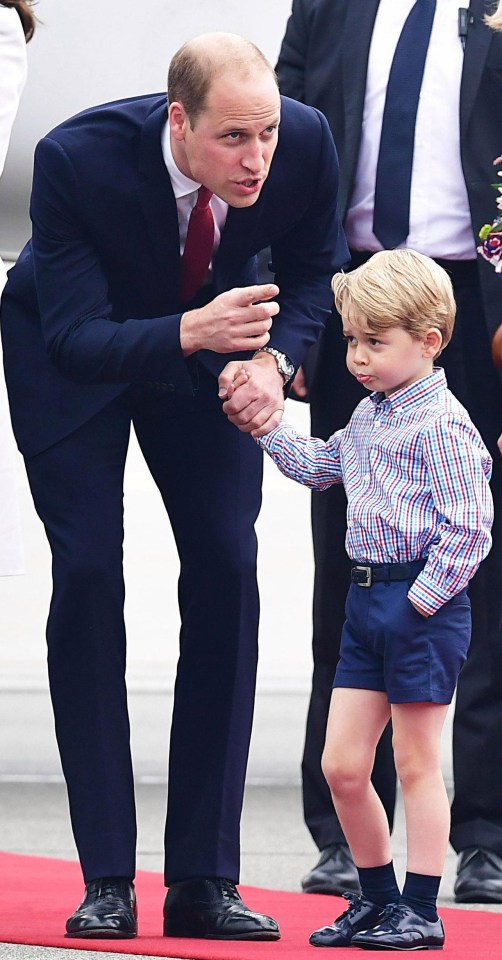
(416,474)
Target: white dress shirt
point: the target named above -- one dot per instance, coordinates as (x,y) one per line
(185,191)
(440,223)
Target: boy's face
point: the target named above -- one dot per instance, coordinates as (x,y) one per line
(389,360)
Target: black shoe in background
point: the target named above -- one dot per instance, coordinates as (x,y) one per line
(210,908)
(479,877)
(334,873)
(107,912)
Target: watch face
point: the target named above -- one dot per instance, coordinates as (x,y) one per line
(286,367)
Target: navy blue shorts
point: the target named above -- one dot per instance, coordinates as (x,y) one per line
(387,645)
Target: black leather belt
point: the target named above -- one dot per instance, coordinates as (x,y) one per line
(365,574)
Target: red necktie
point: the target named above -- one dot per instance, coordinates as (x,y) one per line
(198,246)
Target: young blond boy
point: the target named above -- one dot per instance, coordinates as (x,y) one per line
(416,474)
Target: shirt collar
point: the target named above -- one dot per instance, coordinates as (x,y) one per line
(182,185)
(413,395)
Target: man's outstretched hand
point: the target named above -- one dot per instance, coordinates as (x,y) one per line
(236,320)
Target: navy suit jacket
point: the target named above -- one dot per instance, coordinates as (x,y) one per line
(323,61)
(93,302)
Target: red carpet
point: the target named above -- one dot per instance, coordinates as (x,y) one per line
(37,894)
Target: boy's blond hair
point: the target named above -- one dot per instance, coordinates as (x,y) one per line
(400,288)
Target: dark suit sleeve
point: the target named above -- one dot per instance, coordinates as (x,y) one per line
(82,340)
(290,67)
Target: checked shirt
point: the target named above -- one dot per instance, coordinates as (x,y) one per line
(416,475)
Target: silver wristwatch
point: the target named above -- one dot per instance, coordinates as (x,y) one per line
(284,365)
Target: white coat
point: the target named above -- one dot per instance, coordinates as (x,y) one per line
(12,80)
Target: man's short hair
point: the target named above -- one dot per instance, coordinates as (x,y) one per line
(200,60)
(400,288)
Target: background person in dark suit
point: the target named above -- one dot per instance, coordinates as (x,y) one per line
(336,55)
(100,330)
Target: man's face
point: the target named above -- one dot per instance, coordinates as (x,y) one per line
(232,144)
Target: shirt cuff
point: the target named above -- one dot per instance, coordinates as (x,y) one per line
(427,594)
(266,442)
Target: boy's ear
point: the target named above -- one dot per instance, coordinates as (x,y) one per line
(432,342)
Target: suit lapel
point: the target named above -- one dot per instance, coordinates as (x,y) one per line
(237,239)
(358,29)
(479,38)
(157,199)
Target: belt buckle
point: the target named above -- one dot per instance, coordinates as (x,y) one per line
(367,572)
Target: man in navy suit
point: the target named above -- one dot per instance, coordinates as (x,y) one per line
(96,336)
(336,55)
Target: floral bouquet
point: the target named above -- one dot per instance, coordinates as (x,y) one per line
(491,250)
(491,233)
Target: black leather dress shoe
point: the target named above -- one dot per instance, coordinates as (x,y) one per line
(210,908)
(479,877)
(334,873)
(108,911)
(360,915)
(400,928)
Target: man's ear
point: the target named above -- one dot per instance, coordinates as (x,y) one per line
(432,343)
(178,120)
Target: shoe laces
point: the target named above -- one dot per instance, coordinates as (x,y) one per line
(228,890)
(106,889)
(355,901)
(393,913)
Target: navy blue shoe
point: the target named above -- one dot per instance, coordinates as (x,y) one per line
(400,928)
(359,915)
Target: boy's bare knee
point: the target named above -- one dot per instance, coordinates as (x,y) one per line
(413,762)
(344,777)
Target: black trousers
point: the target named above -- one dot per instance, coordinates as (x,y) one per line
(477,745)
(209,475)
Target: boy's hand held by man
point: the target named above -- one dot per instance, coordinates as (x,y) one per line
(253,395)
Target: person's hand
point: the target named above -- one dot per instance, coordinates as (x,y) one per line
(499,443)
(256,405)
(233,321)
(241,377)
(497,347)
(423,613)
(299,385)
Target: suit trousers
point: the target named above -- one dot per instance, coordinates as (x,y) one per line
(209,476)
(477,747)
